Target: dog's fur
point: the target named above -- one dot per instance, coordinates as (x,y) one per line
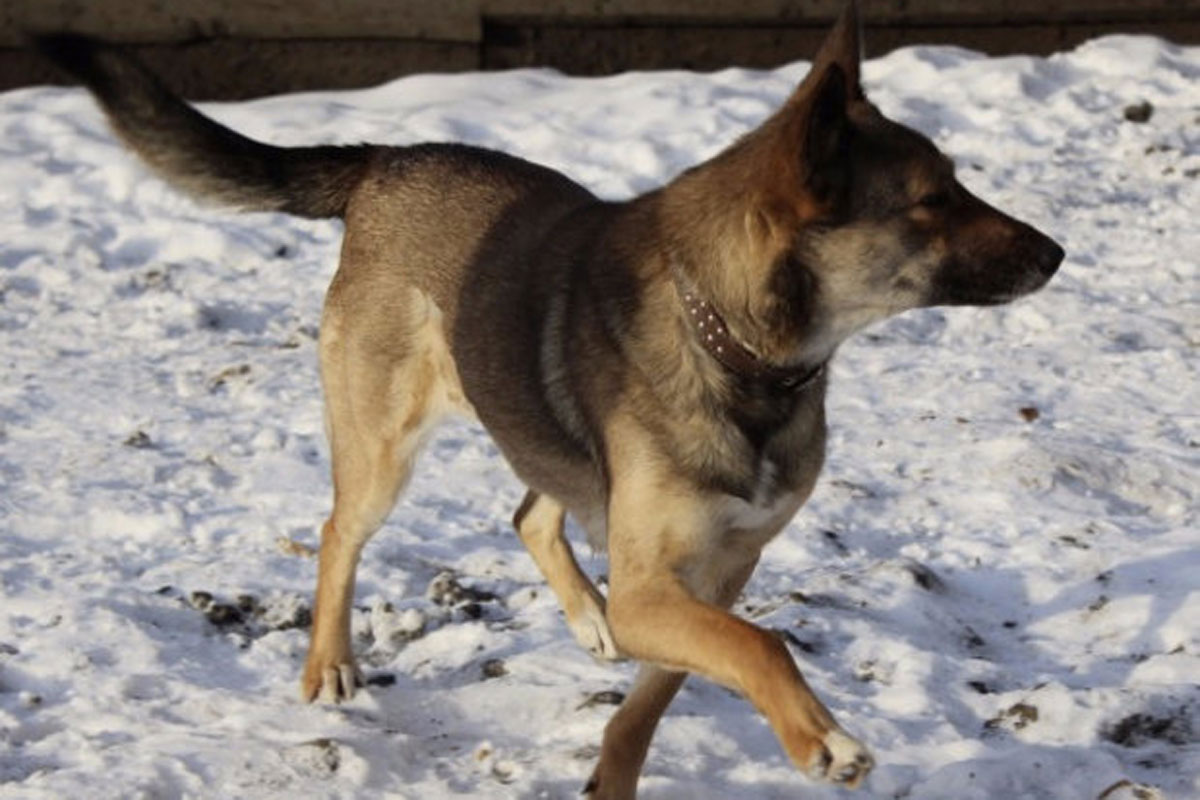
(473,282)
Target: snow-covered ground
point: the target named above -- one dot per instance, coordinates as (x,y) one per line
(995,583)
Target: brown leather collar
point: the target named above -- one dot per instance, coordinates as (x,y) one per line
(714,336)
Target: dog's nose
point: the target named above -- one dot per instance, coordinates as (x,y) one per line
(1048,257)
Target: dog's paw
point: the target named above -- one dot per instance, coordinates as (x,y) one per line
(841,759)
(590,628)
(609,787)
(330,683)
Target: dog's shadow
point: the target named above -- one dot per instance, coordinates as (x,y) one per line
(711,745)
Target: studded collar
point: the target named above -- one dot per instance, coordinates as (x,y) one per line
(714,336)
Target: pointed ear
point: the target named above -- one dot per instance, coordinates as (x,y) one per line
(826,120)
(826,131)
(843,47)
(821,101)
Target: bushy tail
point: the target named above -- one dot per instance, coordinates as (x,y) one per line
(196,154)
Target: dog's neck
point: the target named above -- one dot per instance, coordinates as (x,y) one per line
(715,338)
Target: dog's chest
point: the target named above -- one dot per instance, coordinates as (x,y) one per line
(769,506)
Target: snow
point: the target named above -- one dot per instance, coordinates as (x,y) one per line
(994,584)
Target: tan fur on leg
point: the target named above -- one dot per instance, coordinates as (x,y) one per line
(672,562)
(539,521)
(379,403)
(627,735)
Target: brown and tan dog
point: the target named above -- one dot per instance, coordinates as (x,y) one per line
(655,367)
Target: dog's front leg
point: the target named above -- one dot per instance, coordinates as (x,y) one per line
(660,547)
(662,624)
(627,735)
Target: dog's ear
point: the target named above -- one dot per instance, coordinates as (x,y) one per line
(825,124)
(818,109)
(843,47)
(809,137)
(816,133)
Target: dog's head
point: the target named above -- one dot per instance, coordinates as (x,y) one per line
(836,217)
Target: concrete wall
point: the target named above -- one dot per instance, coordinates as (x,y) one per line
(241,48)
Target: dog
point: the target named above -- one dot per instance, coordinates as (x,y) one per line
(656,367)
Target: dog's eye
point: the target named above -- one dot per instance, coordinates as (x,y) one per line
(934,200)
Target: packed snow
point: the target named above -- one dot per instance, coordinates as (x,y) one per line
(994,585)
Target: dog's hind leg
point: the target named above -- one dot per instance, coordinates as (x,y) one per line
(387,379)
(539,521)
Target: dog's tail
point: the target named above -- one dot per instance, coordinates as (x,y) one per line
(194,153)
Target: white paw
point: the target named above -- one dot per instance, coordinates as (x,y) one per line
(590,629)
(842,760)
(332,684)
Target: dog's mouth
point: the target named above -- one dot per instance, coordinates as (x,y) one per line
(997,282)
(1026,284)
(1030,282)
(974,295)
